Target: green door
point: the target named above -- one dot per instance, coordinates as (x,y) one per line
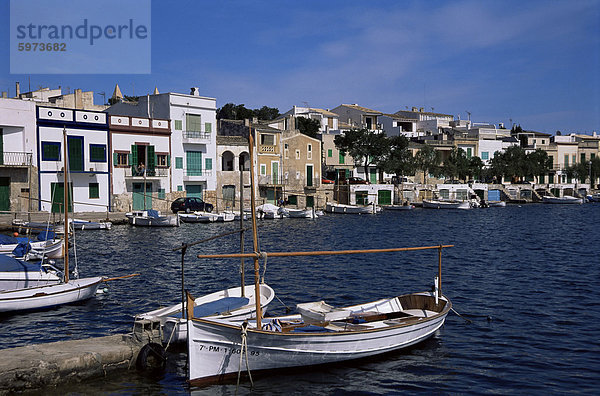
(138,196)
(4,193)
(57,192)
(75,145)
(309,176)
(362,197)
(271,196)
(194,163)
(373,176)
(384,197)
(275,172)
(193,190)
(310,201)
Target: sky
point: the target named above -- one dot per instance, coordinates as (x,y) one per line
(531,63)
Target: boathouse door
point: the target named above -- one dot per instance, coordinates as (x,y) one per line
(4,193)
(139,195)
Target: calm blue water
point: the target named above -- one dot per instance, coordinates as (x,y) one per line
(527,276)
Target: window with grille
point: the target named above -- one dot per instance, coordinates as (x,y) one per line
(50,151)
(97,153)
(94,190)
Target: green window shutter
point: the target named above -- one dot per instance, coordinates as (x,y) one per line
(168,160)
(115,159)
(194,163)
(134,156)
(75,147)
(329,153)
(178,125)
(161,193)
(94,190)
(208,127)
(342,158)
(50,151)
(582,158)
(193,123)
(97,153)
(130,159)
(208,163)
(151,158)
(178,162)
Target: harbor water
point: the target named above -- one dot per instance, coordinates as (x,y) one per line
(527,277)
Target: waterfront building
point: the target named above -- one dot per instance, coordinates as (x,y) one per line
(395,125)
(141,163)
(287,121)
(193,137)
(18,162)
(233,157)
(359,117)
(88,159)
(427,122)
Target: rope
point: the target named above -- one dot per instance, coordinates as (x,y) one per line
(244,351)
(466,319)
(76,269)
(263,255)
(171,336)
(287,309)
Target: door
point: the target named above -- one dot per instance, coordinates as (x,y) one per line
(142,200)
(193,190)
(229,195)
(194,163)
(362,197)
(310,201)
(75,146)
(309,175)
(4,193)
(373,176)
(275,172)
(384,197)
(57,192)
(271,196)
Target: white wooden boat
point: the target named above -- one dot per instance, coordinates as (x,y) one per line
(214,346)
(349,209)
(79,224)
(18,274)
(225,217)
(567,199)
(49,295)
(439,204)
(50,248)
(270,211)
(307,213)
(496,204)
(152,218)
(198,217)
(320,312)
(224,304)
(35,227)
(398,207)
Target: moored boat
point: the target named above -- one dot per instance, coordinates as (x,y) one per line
(152,218)
(439,204)
(398,207)
(79,224)
(17,274)
(567,199)
(308,213)
(332,207)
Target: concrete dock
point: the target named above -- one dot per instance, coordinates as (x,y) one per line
(45,365)
(6,218)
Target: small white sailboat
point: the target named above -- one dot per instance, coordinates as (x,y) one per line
(308,213)
(227,304)
(152,218)
(332,207)
(18,274)
(79,224)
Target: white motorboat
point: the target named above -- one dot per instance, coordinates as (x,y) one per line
(79,224)
(496,204)
(308,213)
(398,207)
(49,248)
(214,346)
(198,217)
(152,218)
(567,199)
(225,304)
(331,207)
(17,274)
(270,211)
(440,204)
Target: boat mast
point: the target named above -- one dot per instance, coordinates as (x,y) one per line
(242,274)
(254,232)
(66,205)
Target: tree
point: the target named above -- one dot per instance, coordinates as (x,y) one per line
(231,111)
(538,163)
(475,169)
(513,162)
(427,160)
(308,127)
(367,147)
(456,166)
(266,113)
(399,160)
(579,171)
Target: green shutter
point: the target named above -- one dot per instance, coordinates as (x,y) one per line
(133,158)
(194,163)
(168,160)
(129,159)
(208,163)
(178,162)
(151,159)
(208,127)
(115,159)
(161,193)
(329,153)
(75,147)
(342,158)
(94,190)
(193,123)
(178,125)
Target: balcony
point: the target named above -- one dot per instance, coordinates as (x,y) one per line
(14,159)
(130,172)
(196,137)
(270,180)
(196,174)
(266,149)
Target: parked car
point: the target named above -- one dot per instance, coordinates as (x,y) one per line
(357,180)
(327,181)
(191,204)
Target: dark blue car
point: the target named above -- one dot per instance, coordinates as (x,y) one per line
(190,204)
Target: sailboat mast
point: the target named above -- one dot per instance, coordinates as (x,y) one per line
(66,205)
(242,271)
(254,233)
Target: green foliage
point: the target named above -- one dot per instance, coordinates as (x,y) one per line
(308,127)
(231,111)
(366,147)
(399,160)
(428,160)
(516,164)
(456,166)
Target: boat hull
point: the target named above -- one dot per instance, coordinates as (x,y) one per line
(349,209)
(214,347)
(163,221)
(433,204)
(49,296)
(562,200)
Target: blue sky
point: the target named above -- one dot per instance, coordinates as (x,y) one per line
(536,63)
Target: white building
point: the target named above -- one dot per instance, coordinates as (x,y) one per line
(141,154)
(193,137)
(89,170)
(18,164)
(286,122)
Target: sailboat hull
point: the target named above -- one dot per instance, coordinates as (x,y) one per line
(49,296)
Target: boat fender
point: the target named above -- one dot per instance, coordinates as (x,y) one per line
(152,357)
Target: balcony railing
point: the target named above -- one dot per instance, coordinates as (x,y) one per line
(271,180)
(266,149)
(196,135)
(156,172)
(197,172)
(15,159)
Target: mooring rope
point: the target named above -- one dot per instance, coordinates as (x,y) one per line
(171,336)
(263,255)
(244,351)
(466,319)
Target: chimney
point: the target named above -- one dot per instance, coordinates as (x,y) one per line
(78,99)
(420,110)
(18,88)
(194,91)
(414,109)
